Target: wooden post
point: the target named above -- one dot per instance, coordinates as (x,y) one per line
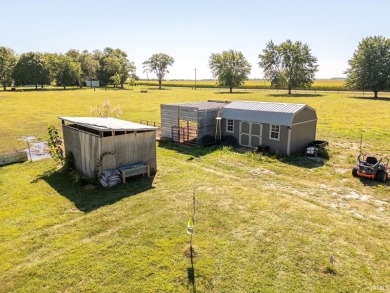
(29,150)
(188,130)
(193,220)
(178,122)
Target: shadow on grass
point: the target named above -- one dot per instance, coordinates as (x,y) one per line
(88,197)
(284,95)
(49,89)
(190,253)
(191,276)
(330,270)
(193,151)
(387,99)
(309,162)
(372,183)
(155,88)
(229,93)
(61,89)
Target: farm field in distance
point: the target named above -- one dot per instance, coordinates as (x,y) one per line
(319,84)
(263,223)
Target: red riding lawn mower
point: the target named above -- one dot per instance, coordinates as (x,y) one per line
(371,167)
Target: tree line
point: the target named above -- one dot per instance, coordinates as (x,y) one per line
(288,65)
(291,65)
(110,66)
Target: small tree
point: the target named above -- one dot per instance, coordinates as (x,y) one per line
(231,68)
(369,67)
(116,79)
(158,64)
(55,144)
(114,64)
(288,65)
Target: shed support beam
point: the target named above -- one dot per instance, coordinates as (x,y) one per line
(288,140)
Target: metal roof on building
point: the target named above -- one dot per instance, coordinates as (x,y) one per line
(262,112)
(107,124)
(201,105)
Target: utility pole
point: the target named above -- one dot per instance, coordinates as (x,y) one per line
(195,77)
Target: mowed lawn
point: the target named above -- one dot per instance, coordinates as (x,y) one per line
(262,223)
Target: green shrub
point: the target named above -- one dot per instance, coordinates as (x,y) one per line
(56,150)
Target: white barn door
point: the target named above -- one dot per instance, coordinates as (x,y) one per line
(250,134)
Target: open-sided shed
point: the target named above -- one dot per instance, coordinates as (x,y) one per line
(99,144)
(191,123)
(284,128)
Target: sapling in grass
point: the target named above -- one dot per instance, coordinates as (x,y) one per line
(331,267)
(55,145)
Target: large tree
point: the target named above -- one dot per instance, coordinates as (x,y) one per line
(158,64)
(114,66)
(68,71)
(89,66)
(231,68)
(7,65)
(88,62)
(288,65)
(31,68)
(369,67)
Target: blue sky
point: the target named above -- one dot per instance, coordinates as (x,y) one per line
(190,31)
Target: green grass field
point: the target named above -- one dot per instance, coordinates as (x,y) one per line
(263,223)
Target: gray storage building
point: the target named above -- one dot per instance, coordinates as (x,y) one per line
(191,123)
(99,144)
(284,128)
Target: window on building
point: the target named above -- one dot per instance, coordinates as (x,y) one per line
(274,132)
(230,125)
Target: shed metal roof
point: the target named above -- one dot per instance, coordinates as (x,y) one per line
(107,124)
(262,112)
(201,105)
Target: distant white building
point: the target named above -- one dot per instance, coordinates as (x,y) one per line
(95,83)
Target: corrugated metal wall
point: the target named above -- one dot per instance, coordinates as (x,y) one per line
(171,114)
(90,149)
(169,119)
(130,148)
(120,150)
(85,148)
(207,123)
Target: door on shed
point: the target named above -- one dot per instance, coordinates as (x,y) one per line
(250,134)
